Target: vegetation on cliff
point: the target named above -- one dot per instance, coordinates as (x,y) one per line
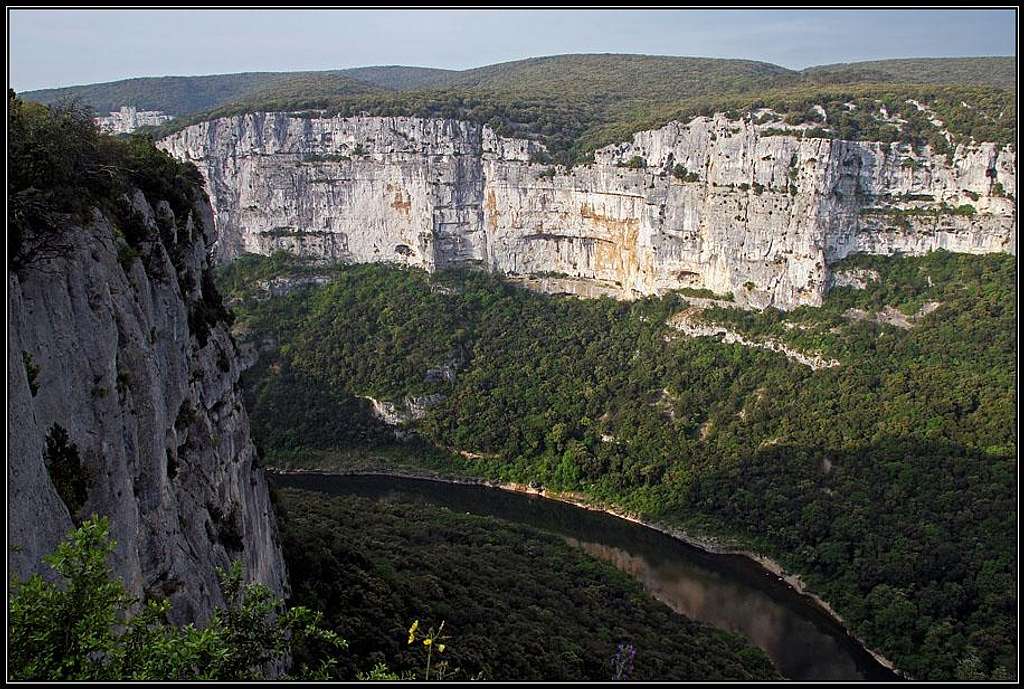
(887,482)
(86,627)
(61,169)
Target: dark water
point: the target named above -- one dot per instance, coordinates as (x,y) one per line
(725,591)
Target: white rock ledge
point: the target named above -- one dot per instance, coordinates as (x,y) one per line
(765,219)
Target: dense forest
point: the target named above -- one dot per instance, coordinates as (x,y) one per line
(887,482)
(517,604)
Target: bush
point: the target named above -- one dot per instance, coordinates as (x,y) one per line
(681,173)
(32,371)
(81,628)
(65,467)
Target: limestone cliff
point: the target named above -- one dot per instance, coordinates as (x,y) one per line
(126,349)
(715,203)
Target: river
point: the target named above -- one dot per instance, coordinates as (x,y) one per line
(726,591)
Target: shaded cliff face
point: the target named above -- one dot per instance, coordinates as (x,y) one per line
(747,212)
(128,352)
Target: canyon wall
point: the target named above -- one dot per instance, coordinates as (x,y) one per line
(718,204)
(126,349)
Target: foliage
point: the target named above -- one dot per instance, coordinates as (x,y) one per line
(431,640)
(704,293)
(31,372)
(824,470)
(60,168)
(608,77)
(681,173)
(89,628)
(69,478)
(523,605)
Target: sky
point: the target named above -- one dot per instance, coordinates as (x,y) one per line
(49,48)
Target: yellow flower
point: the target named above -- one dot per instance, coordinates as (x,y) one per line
(412,631)
(440,648)
(428,641)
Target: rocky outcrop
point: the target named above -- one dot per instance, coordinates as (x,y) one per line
(857,278)
(690,323)
(126,349)
(399,415)
(714,203)
(889,315)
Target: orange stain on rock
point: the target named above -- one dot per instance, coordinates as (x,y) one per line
(401,202)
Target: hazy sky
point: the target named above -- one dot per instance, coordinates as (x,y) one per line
(63,47)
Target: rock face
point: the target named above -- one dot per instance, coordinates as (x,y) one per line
(690,324)
(714,203)
(127,351)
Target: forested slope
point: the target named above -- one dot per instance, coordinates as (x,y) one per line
(887,481)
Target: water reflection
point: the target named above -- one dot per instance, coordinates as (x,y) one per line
(725,591)
(792,642)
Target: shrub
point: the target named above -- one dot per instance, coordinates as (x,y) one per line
(32,371)
(126,255)
(680,172)
(65,468)
(81,628)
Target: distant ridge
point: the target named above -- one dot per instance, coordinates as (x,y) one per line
(600,75)
(989,71)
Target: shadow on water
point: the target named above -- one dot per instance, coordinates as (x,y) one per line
(726,591)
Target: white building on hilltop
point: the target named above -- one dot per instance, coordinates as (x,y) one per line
(129,118)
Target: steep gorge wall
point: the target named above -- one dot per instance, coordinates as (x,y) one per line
(758,215)
(128,352)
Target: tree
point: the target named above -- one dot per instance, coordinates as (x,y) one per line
(65,467)
(83,628)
